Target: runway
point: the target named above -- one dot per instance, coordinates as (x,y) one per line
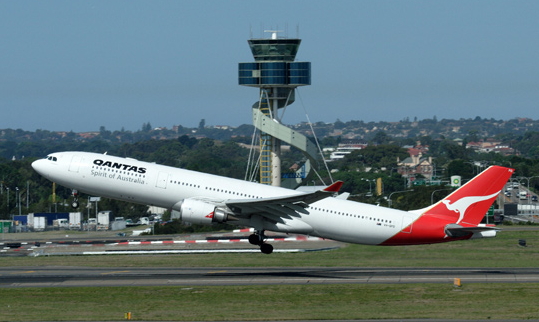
(17,277)
(230,242)
(69,276)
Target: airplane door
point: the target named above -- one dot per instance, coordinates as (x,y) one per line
(162,179)
(75,163)
(407,223)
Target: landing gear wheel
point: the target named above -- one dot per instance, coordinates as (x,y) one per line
(254,239)
(266,248)
(258,239)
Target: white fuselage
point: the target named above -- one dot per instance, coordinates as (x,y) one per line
(157,185)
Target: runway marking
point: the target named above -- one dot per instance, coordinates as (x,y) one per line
(213,241)
(115,272)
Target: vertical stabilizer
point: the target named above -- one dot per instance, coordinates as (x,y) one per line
(468,205)
(458,215)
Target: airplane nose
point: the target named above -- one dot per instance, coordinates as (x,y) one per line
(40,167)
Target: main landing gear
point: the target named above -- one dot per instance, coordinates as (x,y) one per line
(258,239)
(75,203)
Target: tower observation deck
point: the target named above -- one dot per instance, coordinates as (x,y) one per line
(276,73)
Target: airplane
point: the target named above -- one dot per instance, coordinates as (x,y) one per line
(202,198)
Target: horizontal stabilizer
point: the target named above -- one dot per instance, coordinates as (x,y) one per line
(454,230)
(343,196)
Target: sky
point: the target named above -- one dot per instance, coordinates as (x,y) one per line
(81,65)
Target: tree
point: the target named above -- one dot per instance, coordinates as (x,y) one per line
(461,168)
(187,141)
(381,137)
(103,133)
(452,150)
(473,136)
(339,124)
(146,127)
(383,156)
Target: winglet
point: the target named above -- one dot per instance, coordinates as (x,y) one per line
(334,187)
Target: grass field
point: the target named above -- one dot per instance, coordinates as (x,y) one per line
(236,303)
(321,302)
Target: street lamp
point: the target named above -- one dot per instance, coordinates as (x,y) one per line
(27,194)
(96,200)
(389,198)
(18,199)
(528,186)
(7,189)
(432,194)
(370,185)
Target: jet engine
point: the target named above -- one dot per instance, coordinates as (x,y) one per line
(198,211)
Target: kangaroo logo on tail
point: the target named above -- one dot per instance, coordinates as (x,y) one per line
(460,206)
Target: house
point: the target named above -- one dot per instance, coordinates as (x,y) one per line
(490,146)
(416,164)
(344,149)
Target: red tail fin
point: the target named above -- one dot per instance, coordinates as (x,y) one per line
(334,187)
(468,205)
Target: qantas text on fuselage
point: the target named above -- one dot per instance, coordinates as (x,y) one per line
(119,166)
(206,199)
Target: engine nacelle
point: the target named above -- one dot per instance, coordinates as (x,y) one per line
(198,211)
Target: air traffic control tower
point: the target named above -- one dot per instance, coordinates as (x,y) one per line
(276,73)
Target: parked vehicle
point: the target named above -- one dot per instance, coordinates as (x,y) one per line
(144,220)
(40,223)
(103,220)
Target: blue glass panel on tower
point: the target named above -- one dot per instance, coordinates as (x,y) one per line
(299,73)
(249,66)
(273,73)
(249,81)
(273,66)
(249,74)
(299,81)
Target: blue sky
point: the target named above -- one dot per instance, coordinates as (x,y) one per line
(79,65)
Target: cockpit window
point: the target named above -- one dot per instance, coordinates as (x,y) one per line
(51,158)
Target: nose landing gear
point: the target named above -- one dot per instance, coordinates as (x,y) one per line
(258,239)
(75,203)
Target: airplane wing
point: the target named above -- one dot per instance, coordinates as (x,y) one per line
(287,206)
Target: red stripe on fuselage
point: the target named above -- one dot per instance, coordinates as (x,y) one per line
(427,229)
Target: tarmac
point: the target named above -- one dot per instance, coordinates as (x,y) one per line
(65,242)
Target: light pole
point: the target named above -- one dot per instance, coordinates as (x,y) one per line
(528,186)
(389,198)
(370,185)
(432,194)
(96,200)
(88,206)
(518,195)
(480,165)
(18,199)
(7,189)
